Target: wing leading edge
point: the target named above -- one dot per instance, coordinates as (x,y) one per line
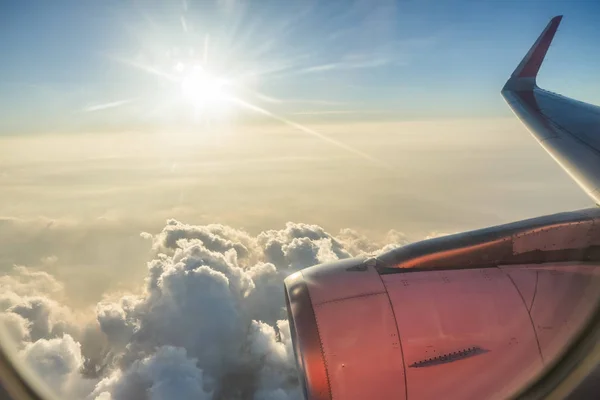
(569,130)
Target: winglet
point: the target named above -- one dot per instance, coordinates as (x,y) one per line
(531,63)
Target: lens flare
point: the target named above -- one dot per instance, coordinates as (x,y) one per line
(207,92)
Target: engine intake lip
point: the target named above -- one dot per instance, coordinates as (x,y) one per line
(308,349)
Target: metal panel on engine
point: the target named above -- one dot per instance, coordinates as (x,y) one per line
(566,296)
(464,333)
(573,235)
(361,348)
(342,279)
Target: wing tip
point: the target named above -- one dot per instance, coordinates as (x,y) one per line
(532,62)
(525,74)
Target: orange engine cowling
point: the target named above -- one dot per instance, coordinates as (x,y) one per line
(475,315)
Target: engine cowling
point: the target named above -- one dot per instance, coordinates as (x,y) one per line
(474,315)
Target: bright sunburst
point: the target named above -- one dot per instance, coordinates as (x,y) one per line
(208,93)
(214,88)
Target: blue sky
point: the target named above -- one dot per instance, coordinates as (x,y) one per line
(348,61)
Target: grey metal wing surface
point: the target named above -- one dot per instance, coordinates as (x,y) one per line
(569,130)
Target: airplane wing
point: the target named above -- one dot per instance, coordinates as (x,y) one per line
(568,129)
(480,314)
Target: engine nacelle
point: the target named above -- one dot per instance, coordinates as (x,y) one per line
(473,315)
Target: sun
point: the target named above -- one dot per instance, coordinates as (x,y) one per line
(207,93)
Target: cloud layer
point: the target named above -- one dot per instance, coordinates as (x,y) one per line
(208,323)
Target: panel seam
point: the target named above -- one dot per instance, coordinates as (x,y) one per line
(537,340)
(399,338)
(321,343)
(537,274)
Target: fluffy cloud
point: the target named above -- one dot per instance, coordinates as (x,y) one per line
(300,245)
(167,374)
(17,327)
(58,361)
(208,323)
(43,330)
(28,282)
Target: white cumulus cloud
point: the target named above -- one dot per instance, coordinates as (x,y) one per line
(207,323)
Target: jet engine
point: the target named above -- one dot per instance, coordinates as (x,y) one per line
(473,315)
